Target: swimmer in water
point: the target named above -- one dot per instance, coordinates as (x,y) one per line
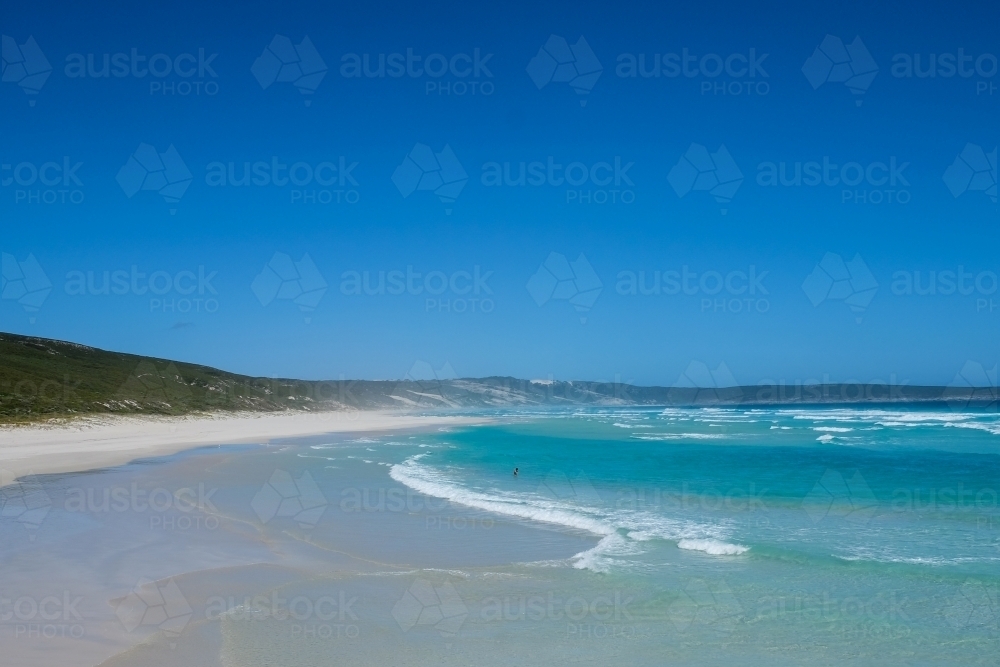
(515,472)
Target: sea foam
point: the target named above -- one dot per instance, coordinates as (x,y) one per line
(713,547)
(621,531)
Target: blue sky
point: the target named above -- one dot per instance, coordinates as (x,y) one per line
(911,148)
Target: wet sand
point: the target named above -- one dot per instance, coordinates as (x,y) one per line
(174,559)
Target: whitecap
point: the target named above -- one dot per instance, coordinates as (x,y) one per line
(678,436)
(621,531)
(432,483)
(989,428)
(713,547)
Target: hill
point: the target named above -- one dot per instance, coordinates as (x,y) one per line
(42,378)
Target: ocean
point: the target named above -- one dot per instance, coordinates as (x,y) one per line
(648,535)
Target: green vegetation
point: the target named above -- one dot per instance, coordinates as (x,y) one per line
(42,379)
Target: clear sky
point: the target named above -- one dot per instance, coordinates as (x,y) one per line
(783,182)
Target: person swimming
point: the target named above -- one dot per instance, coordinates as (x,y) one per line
(515,472)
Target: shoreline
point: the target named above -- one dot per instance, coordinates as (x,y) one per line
(87,443)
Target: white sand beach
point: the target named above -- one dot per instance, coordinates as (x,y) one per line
(106,567)
(92,442)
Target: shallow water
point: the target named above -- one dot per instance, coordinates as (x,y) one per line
(695,536)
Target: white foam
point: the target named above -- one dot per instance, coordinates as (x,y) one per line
(432,483)
(989,428)
(621,531)
(453,573)
(888,555)
(602,556)
(678,436)
(833,429)
(713,547)
(876,416)
(825,437)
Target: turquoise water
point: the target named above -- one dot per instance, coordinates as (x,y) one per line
(873,486)
(644,536)
(820,535)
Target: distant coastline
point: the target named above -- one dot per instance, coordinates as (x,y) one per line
(43,379)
